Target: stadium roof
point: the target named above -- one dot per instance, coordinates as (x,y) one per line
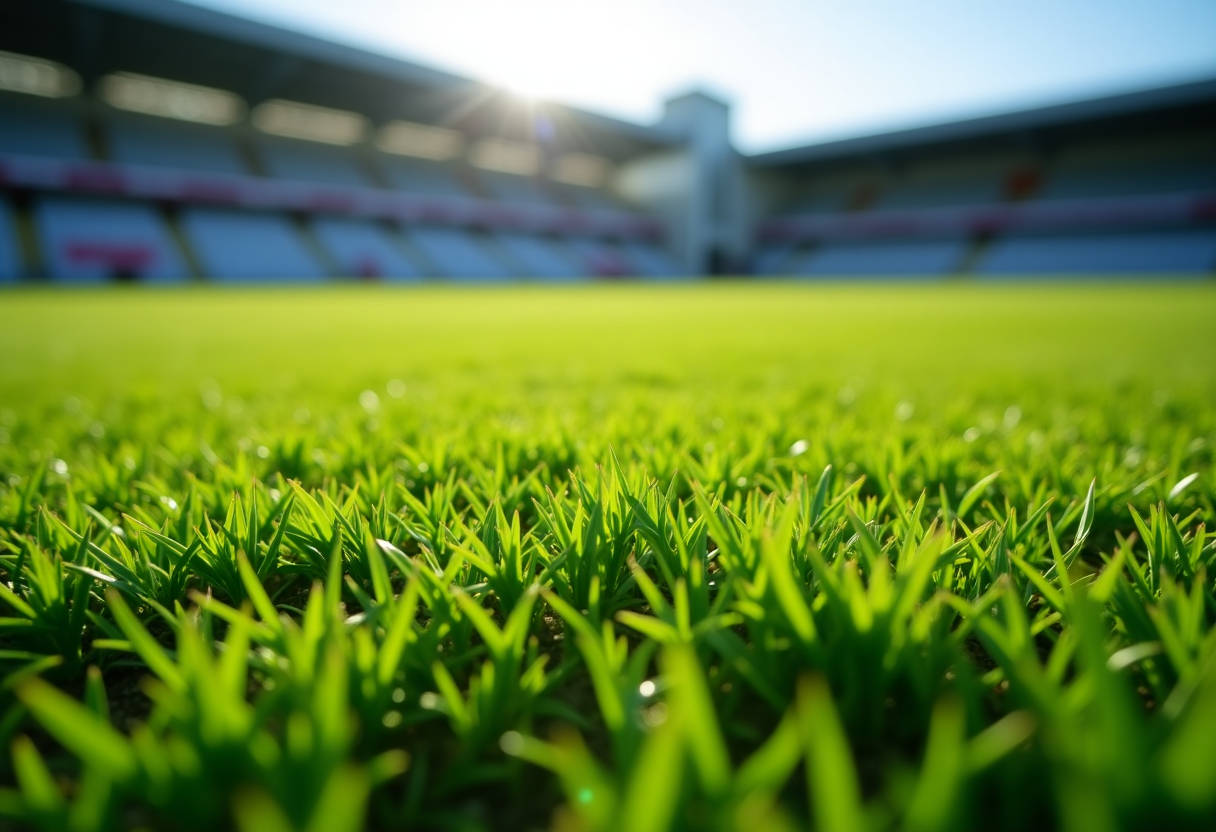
(1180,102)
(183,42)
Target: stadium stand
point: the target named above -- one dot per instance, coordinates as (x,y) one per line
(953,182)
(507,187)
(243,170)
(603,258)
(1099,170)
(303,161)
(233,245)
(1187,251)
(142,140)
(32,128)
(86,240)
(919,257)
(592,198)
(363,248)
(649,260)
(10,250)
(420,177)
(538,256)
(770,259)
(456,253)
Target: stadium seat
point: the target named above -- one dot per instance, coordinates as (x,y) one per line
(456,253)
(363,248)
(540,257)
(1130,168)
(419,177)
(32,130)
(592,198)
(650,260)
(773,258)
(602,258)
(10,252)
(1180,250)
(233,245)
(915,257)
(303,161)
(508,187)
(95,240)
(147,141)
(952,181)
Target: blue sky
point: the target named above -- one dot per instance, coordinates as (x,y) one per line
(795,70)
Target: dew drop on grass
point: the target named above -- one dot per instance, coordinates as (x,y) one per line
(263,452)
(799,448)
(971,434)
(391,719)
(169,503)
(60,467)
(429,701)
(647,688)
(398,695)
(1013,415)
(369,400)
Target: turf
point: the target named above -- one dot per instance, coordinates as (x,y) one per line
(691,557)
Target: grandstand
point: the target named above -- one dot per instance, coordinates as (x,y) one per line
(158,141)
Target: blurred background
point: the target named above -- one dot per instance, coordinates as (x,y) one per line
(266,140)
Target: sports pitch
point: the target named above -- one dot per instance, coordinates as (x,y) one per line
(695,557)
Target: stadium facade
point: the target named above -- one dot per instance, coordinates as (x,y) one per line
(159,141)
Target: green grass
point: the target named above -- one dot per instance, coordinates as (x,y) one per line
(697,557)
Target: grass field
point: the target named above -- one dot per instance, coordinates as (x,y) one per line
(609,558)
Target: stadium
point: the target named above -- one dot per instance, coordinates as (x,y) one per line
(163,142)
(383,449)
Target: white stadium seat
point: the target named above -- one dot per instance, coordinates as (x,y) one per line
(238,246)
(363,248)
(94,240)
